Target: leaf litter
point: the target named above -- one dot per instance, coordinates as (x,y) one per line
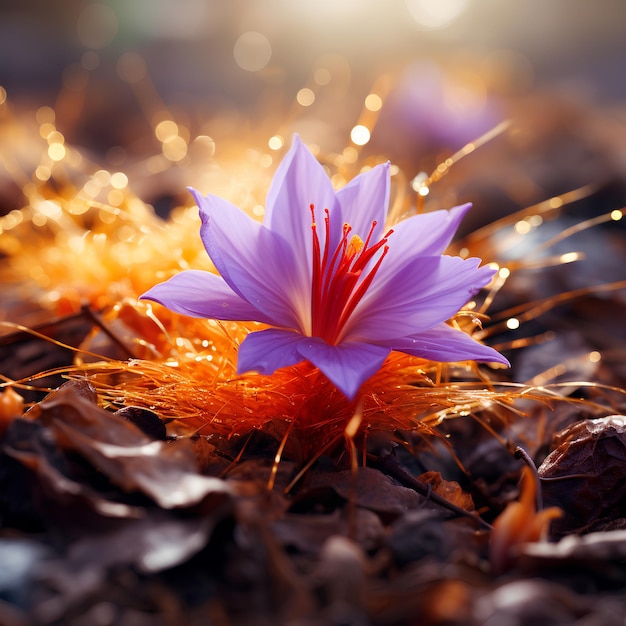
(132,515)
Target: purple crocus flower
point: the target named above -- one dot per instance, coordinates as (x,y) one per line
(336,287)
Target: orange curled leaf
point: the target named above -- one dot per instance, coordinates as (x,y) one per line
(519,523)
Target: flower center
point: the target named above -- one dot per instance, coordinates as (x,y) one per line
(339,278)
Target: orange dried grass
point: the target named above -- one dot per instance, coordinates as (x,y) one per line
(185,370)
(80,252)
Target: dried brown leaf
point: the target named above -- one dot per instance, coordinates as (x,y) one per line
(584,474)
(307,533)
(370,489)
(448,489)
(164,471)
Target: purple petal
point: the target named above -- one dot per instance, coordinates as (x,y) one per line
(426,234)
(256,264)
(266,351)
(202,294)
(446,344)
(365,199)
(416,297)
(299,182)
(346,365)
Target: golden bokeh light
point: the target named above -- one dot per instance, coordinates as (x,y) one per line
(56,151)
(569,257)
(373,102)
(166,130)
(252,51)
(275,142)
(436,14)
(43,172)
(419,184)
(512,323)
(322,76)
(305,97)
(45,115)
(55,137)
(119,180)
(360,135)
(175,148)
(350,154)
(46,129)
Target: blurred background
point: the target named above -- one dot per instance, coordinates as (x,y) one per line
(411,80)
(230,52)
(163,91)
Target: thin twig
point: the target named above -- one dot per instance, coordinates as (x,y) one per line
(520,453)
(390,465)
(97,320)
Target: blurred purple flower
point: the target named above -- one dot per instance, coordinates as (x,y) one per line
(336,288)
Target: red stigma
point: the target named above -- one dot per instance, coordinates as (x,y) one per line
(339,281)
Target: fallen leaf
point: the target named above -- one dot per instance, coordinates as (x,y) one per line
(370,489)
(448,489)
(584,474)
(166,472)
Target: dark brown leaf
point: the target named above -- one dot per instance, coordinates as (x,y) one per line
(370,489)
(149,545)
(423,533)
(57,479)
(584,474)
(164,471)
(307,533)
(450,490)
(147,421)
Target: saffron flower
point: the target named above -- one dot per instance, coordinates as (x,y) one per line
(335,286)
